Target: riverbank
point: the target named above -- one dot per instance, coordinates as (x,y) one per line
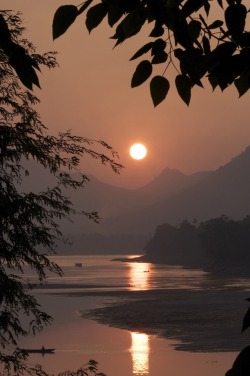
(196,321)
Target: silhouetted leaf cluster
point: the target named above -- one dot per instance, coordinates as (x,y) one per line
(91,368)
(18,57)
(184,35)
(241,365)
(29,221)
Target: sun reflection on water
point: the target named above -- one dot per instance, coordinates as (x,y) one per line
(140,353)
(139,279)
(139,276)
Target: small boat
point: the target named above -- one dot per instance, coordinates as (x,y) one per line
(42,351)
(78,264)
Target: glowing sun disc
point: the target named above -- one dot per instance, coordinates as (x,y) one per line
(138,151)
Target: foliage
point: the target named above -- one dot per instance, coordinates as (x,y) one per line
(224,241)
(185,34)
(218,244)
(16,54)
(90,368)
(29,226)
(175,245)
(241,365)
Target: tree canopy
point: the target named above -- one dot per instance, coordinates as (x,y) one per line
(218,245)
(29,221)
(198,38)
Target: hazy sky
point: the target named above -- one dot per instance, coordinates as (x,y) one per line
(90,93)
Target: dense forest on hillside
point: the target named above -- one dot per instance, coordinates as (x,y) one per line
(220,245)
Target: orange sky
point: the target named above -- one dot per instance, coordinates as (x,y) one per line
(90,93)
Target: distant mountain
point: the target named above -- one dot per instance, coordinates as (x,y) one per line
(129,217)
(115,205)
(224,191)
(169,182)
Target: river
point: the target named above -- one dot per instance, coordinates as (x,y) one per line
(98,282)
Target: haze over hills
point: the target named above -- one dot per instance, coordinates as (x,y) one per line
(116,206)
(174,196)
(225,191)
(114,203)
(129,217)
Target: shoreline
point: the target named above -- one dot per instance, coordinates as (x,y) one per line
(215,270)
(194,320)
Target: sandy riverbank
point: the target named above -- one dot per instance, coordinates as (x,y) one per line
(197,321)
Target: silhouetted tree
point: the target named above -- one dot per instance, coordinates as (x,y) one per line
(226,242)
(218,244)
(197,38)
(176,245)
(29,227)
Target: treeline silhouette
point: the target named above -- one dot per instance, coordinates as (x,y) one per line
(219,244)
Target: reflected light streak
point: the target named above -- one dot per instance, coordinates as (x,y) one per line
(139,276)
(140,353)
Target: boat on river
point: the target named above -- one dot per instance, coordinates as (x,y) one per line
(42,351)
(78,264)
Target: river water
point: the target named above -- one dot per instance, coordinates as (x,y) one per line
(118,352)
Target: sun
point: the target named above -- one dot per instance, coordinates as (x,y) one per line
(138,151)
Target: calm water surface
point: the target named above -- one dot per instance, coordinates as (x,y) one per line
(119,352)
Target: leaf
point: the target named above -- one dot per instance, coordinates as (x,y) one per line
(158,46)
(228,70)
(133,22)
(115,12)
(216,24)
(194,29)
(192,6)
(241,364)
(142,73)
(95,15)
(181,33)
(235,17)
(23,65)
(5,33)
(206,45)
(213,81)
(221,52)
(160,58)
(244,40)
(192,62)
(159,87)
(157,31)
(242,84)
(184,86)
(119,35)
(179,53)
(246,321)
(220,3)
(63,19)
(207,8)
(202,20)
(85,5)
(143,50)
